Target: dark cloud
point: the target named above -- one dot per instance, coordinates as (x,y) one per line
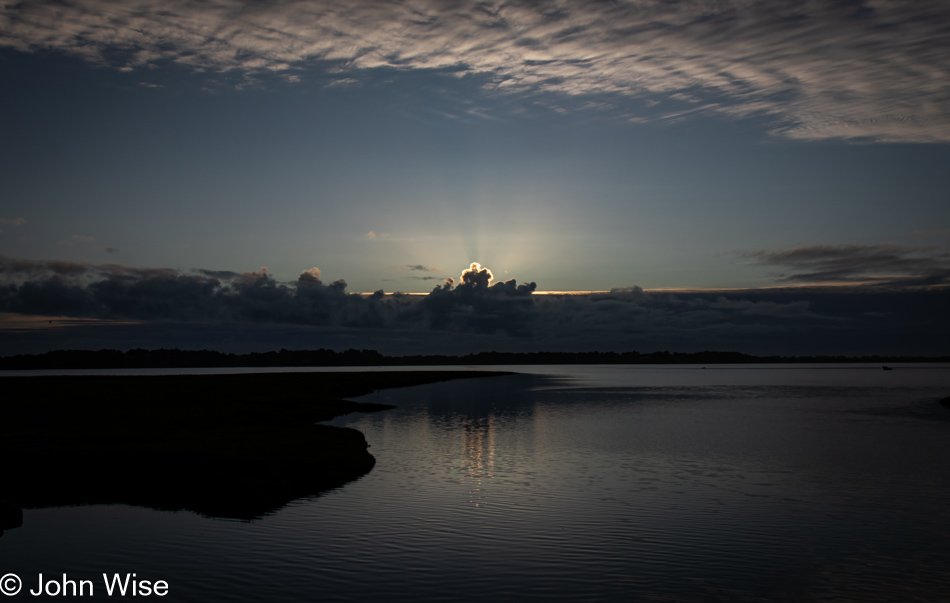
(856,70)
(472,314)
(795,320)
(224,275)
(886,264)
(476,276)
(421,268)
(477,306)
(13,268)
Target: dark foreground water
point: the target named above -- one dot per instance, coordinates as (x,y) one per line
(762,483)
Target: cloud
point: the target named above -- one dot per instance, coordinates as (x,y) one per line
(476,276)
(13,268)
(310,276)
(934,233)
(420,268)
(885,264)
(114,292)
(870,70)
(474,313)
(833,320)
(224,275)
(376,235)
(15,222)
(474,305)
(342,82)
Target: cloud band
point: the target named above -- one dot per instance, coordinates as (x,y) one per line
(875,69)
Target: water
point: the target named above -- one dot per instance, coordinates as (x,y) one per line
(757,483)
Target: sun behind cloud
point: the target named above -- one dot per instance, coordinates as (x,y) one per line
(476,275)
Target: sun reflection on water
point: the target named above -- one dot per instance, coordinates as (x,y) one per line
(478,456)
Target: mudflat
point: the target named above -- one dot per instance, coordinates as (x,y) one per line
(238,446)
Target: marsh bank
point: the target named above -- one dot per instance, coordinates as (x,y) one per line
(237,446)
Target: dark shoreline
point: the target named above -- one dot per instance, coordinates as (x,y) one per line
(175,358)
(236,446)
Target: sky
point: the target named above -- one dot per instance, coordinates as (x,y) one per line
(766,177)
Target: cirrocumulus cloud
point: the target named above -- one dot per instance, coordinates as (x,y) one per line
(873,70)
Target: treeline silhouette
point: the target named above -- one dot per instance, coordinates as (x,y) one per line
(175,358)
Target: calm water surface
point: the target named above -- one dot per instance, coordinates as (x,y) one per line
(581,483)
